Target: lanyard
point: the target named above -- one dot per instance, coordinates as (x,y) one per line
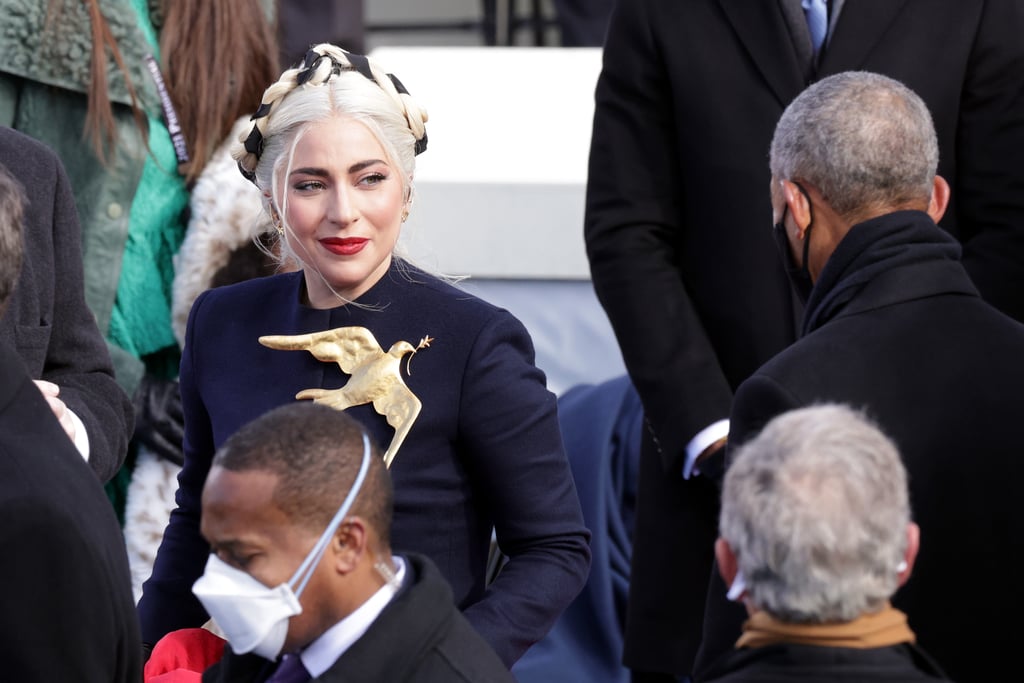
(170,115)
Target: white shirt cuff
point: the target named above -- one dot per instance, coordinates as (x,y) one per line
(81,436)
(704,438)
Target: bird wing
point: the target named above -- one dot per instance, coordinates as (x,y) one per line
(401,408)
(347,346)
(332,398)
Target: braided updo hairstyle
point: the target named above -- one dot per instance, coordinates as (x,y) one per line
(330,82)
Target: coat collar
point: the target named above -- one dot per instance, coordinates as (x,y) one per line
(890,259)
(412,623)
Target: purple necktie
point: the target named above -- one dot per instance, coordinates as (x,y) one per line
(290,670)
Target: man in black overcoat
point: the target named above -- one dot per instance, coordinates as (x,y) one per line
(676,212)
(893,325)
(67,612)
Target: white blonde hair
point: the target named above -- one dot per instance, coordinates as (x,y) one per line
(330,83)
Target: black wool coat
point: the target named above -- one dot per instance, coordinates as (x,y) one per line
(68,613)
(420,637)
(678,223)
(896,328)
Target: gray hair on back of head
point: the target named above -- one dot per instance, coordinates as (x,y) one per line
(864,140)
(816,509)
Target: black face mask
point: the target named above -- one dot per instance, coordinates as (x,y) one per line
(798,273)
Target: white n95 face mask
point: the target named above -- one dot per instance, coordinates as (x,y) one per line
(254,617)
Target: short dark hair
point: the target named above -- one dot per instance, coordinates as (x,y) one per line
(316,453)
(12,206)
(863,139)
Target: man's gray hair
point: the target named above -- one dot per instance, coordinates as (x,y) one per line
(864,140)
(816,511)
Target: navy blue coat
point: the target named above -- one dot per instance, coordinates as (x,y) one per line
(485,450)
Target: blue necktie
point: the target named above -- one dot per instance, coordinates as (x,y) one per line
(816,12)
(290,670)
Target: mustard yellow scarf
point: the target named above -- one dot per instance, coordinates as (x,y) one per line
(879,629)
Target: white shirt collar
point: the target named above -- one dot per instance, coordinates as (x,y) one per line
(323,652)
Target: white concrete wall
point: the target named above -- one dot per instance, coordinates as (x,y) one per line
(500,189)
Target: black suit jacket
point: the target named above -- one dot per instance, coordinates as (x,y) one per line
(46,319)
(678,223)
(420,637)
(68,612)
(941,371)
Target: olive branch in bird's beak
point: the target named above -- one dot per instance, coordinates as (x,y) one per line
(424,343)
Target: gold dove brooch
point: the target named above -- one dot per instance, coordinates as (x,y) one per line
(374,376)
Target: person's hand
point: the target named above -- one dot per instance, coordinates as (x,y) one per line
(159,423)
(51,393)
(711,461)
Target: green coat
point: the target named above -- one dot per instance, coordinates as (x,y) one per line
(43,86)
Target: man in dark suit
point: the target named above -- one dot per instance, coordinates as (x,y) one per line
(894,325)
(676,232)
(298,504)
(47,321)
(68,613)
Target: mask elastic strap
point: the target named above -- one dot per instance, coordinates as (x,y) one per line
(305,570)
(807,230)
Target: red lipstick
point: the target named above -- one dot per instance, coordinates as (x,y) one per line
(344,246)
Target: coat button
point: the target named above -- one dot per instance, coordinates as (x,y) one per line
(114,210)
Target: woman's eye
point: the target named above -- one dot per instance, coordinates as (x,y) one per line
(308,185)
(373,179)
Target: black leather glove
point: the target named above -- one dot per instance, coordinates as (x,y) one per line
(159,423)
